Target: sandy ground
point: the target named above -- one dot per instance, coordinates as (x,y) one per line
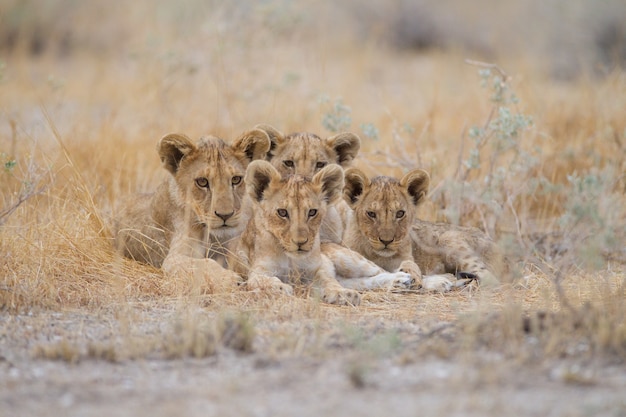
(348,364)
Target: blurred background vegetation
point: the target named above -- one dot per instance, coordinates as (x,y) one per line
(567,37)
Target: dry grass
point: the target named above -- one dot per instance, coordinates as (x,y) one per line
(81,126)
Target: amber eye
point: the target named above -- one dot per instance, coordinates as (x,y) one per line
(400,214)
(288,163)
(371,214)
(312,213)
(282,213)
(202,182)
(320,165)
(236,180)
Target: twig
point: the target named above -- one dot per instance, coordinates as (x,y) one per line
(487,65)
(23,197)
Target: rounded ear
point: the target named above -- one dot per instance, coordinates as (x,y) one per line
(330,179)
(254,144)
(172,148)
(276,137)
(346,145)
(356,184)
(416,183)
(259,175)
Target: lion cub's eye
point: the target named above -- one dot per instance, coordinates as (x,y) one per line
(236,180)
(288,163)
(312,213)
(371,214)
(320,165)
(282,213)
(400,214)
(202,182)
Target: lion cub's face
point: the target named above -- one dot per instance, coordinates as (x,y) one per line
(291,209)
(384,208)
(306,154)
(208,176)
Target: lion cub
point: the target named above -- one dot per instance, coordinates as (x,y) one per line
(281,244)
(184,225)
(306,154)
(383,227)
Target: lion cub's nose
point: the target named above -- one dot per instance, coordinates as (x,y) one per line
(301,242)
(224,216)
(385,242)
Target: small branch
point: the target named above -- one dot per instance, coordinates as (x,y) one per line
(489,66)
(23,197)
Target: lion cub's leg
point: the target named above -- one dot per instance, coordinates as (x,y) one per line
(266,282)
(413,270)
(357,272)
(188,275)
(461,257)
(329,288)
(432,283)
(188,271)
(439,283)
(262,277)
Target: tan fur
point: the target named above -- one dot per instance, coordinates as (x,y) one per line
(281,244)
(384,228)
(305,154)
(446,248)
(184,225)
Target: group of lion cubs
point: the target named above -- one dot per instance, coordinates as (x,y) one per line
(267,210)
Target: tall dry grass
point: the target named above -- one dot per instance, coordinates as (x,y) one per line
(80,117)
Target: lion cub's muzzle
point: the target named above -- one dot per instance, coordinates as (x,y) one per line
(385,246)
(222,222)
(225,217)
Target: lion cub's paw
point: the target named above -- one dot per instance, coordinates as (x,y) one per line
(228,281)
(281,288)
(400,280)
(269,284)
(388,281)
(341,296)
(413,270)
(438,283)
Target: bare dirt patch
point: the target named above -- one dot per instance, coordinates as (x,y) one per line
(398,353)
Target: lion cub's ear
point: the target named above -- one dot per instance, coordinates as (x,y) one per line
(254,144)
(172,148)
(346,145)
(416,183)
(330,180)
(356,184)
(276,137)
(259,175)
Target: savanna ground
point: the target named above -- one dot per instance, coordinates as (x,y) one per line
(532,151)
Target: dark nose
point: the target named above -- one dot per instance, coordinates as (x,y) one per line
(224,216)
(385,242)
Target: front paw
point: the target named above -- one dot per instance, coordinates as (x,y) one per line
(226,281)
(438,283)
(411,268)
(341,296)
(401,280)
(282,288)
(269,284)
